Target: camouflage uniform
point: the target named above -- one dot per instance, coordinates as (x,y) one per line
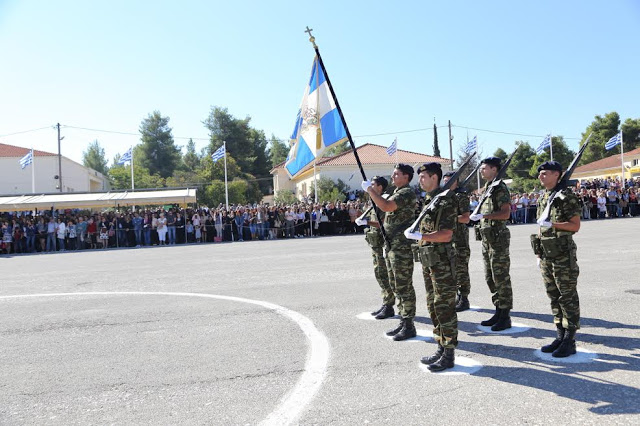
(495,248)
(374,237)
(438,270)
(559,263)
(461,244)
(399,256)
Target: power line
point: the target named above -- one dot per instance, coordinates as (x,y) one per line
(25,131)
(507,133)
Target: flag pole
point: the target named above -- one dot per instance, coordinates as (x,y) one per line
(33,172)
(226,188)
(551,145)
(315,184)
(396,153)
(133,185)
(621,160)
(312,39)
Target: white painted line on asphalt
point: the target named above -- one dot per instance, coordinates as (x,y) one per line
(581,356)
(463,366)
(516,327)
(368,317)
(296,400)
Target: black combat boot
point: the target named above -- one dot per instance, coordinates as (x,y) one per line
(504,321)
(494,319)
(556,343)
(407,332)
(433,358)
(445,361)
(386,312)
(396,330)
(568,345)
(462,304)
(374,313)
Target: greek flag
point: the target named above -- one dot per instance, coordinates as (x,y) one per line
(472,145)
(546,143)
(26,160)
(613,141)
(393,147)
(220,153)
(318,124)
(126,157)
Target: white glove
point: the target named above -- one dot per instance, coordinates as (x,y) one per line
(412,235)
(361,222)
(366,184)
(538,262)
(545,224)
(476,217)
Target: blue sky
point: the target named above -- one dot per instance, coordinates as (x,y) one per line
(523,67)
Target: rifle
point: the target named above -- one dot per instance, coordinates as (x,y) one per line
(563,183)
(462,186)
(495,182)
(414,227)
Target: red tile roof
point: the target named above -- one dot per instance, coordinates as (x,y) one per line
(605,163)
(17,151)
(374,154)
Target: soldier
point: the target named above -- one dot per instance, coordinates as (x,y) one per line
(373,236)
(437,257)
(558,261)
(495,238)
(461,244)
(400,214)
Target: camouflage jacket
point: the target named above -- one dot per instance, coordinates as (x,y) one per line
(565,206)
(461,233)
(444,215)
(402,217)
(499,197)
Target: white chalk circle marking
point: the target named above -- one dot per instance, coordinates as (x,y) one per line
(315,369)
(422,335)
(368,317)
(463,366)
(581,356)
(516,327)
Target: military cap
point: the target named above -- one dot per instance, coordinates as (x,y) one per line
(550,165)
(380,180)
(431,167)
(492,161)
(449,173)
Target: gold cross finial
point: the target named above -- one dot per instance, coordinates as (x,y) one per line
(312,39)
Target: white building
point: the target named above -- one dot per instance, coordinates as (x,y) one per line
(375,161)
(75,177)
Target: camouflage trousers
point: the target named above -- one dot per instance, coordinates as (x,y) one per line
(400,268)
(462,270)
(496,269)
(560,276)
(382,276)
(442,289)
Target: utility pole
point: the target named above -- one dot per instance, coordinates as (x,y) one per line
(59,159)
(450,145)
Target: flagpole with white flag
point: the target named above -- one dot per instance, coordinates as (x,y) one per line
(621,160)
(226,187)
(33,172)
(133,185)
(551,145)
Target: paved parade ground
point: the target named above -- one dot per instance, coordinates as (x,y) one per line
(270,332)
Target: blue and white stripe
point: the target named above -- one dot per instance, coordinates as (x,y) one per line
(318,124)
(613,142)
(126,157)
(220,153)
(546,143)
(472,145)
(26,160)
(393,147)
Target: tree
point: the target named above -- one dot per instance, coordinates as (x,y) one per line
(522,161)
(94,158)
(278,151)
(120,176)
(436,148)
(631,134)
(501,154)
(603,129)
(337,149)
(158,152)
(561,153)
(284,196)
(190,159)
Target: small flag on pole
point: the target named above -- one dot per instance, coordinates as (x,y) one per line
(393,147)
(220,153)
(126,157)
(26,160)
(472,145)
(546,143)
(613,141)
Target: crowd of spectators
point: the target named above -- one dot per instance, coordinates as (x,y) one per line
(50,231)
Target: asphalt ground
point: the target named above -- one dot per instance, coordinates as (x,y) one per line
(176,359)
